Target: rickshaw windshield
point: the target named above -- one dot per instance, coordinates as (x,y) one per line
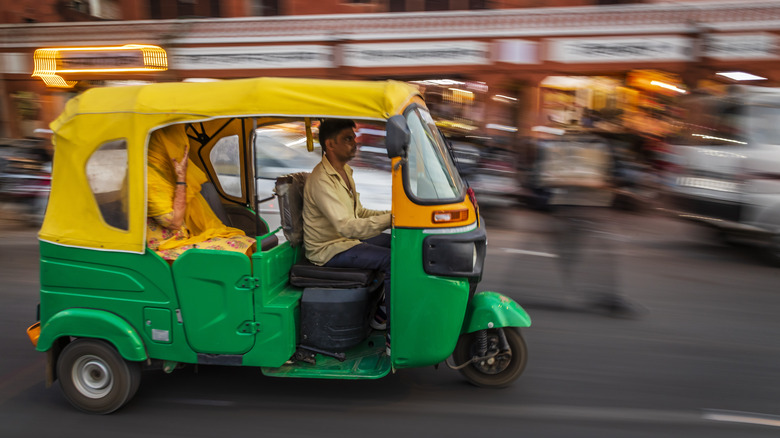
(432,175)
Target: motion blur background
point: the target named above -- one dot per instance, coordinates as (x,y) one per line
(490,70)
(506,81)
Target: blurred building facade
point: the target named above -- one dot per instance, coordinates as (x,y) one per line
(490,69)
(48,11)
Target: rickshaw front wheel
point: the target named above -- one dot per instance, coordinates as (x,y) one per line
(498,367)
(95,378)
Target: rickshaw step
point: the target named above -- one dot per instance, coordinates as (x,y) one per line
(364,361)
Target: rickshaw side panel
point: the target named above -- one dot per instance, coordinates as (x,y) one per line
(137,288)
(426,331)
(215,296)
(277,307)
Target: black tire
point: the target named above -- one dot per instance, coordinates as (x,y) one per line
(503,371)
(95,378)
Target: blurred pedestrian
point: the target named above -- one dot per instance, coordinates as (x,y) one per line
(579,176)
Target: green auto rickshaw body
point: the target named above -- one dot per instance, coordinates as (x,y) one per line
(99,281)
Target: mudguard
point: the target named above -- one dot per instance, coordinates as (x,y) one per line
(92,323)
(493,310)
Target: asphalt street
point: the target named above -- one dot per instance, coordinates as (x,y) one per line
(700,359)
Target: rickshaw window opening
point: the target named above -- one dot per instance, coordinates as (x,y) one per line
(249,173)
(107,175)
(225,162)
(429,175)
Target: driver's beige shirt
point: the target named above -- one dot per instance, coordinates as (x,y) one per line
(333,218)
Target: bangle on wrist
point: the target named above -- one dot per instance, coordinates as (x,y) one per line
(181,183)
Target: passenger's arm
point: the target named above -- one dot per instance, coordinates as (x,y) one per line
(175,219)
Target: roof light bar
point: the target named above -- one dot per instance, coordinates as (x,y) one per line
(52,63)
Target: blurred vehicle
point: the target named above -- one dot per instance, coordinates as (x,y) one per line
(494,178)
(25,178)
(636,176)
(466,157)
(725,171)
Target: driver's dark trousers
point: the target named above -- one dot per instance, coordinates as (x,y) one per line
(373,253)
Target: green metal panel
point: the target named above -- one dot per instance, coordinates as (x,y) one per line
(216,297)
(91,277)
(123,284)
(157,324)
(277,306)
(272,267)
(426,312)
(494,310)
(92,323)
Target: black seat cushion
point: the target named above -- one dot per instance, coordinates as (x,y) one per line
(306,274)
(289,190)
(269,242)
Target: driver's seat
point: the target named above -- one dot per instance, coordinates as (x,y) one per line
(336,302)
(289,190)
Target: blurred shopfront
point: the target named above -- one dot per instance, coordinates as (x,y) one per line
(489,77)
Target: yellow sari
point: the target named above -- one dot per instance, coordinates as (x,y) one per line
(201,228)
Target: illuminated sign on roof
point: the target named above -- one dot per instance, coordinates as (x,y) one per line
(52,64)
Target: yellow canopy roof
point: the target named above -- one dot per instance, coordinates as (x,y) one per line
(101,115)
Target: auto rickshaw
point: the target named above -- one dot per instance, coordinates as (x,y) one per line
(110,307)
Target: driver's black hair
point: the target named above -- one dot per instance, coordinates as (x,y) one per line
(329,128)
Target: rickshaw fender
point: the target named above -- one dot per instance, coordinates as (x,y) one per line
(493,310)
(92,323)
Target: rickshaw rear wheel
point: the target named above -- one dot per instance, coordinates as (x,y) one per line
(95,378)
(498,369)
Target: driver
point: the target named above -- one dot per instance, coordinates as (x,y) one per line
(337,230)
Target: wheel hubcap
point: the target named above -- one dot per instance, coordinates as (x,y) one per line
(92,377)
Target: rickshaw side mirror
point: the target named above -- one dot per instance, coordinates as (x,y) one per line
(397,137)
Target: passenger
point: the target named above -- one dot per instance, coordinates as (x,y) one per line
(337,230)
(179,218)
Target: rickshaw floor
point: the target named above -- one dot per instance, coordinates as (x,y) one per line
(367,360)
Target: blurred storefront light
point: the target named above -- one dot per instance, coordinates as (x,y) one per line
(741,76)
(548,130)
(502,98)
(709,137)
(441,82)
(668,86)
(460,96)
(458,90)
(498,127)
